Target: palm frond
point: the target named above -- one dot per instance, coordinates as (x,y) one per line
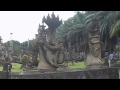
(75,29)
(89,16)
(114,29)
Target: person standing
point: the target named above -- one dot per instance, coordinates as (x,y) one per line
(110,59)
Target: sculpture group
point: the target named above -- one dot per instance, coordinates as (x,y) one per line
(53,54)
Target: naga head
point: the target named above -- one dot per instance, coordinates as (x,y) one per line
(53,22)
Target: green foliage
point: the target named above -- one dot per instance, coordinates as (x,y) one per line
(24,58)
(70,27)
(108,23)
(31,44)
(16,59)
(15,67)
(16,46)
(38,58)
(114,28)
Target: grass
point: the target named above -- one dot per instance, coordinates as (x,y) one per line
(119,72)
(15,67)
(76,65)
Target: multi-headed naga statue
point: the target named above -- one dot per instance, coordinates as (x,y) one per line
(50,51)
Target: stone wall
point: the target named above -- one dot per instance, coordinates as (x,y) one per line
(103,73)
(3,75)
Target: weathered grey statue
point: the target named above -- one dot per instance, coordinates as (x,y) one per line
(117,50)
(93,44)
(50,51)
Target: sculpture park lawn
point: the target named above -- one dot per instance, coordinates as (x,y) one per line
(76,65)
(15,67)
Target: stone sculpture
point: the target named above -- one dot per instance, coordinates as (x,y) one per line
(50,51)
(93,44)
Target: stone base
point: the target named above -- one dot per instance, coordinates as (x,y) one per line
(4,75)
(100,73)
(91,60)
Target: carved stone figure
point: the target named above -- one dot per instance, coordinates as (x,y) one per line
(93,44)
(49,50)
(117,51)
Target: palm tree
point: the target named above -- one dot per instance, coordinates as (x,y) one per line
(109,26)
(71,30)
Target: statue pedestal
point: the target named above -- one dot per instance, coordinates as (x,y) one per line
(93,61)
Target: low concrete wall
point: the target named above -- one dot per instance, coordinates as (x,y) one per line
(3,75)
(102,73)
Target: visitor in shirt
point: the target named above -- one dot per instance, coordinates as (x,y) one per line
(110,59)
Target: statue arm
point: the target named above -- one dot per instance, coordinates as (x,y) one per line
(46,58)
(53,47)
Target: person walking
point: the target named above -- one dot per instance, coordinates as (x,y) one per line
(110,59)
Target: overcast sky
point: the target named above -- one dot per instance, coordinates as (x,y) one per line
(24,24)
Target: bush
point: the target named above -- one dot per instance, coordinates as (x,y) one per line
(16,59)
(38,58)
(24,58)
